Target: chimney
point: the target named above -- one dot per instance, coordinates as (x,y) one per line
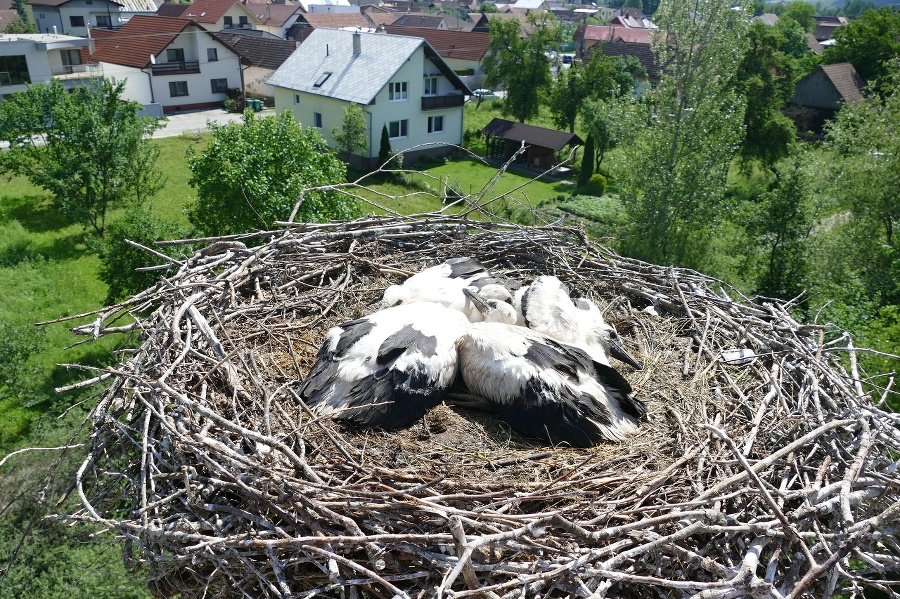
(357,44)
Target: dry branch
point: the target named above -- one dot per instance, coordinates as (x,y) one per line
(773,478)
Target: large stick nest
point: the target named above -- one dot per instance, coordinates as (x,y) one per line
(771,476)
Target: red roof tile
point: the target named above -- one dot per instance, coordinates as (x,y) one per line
(201,11)
(462,45)
(334,20)
(140,37)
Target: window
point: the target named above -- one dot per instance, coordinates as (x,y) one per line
(14,70)
(219,86)
(435,124)
(229,23)
(175,55)
(104,21)
(178,88)
(242,22)
(397,129)
(76,21)
(322,79)
(296,99)
(317,120)
(212,54)
(397,91)
(431,87)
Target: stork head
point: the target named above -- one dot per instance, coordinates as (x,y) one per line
(599,332)
(394,296)
(493,310)
(495,291)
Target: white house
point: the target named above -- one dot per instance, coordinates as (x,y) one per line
(401,83)
(172,62)
(73,17)
(40,57)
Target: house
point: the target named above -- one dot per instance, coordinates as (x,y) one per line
(617,41)
(306,22)
(27,58)
(171,62)
(329,6)
(401,82)
(819,95)
(264,55)
(276,19)
(463,51)
(72,17)
(505,138)
(219,15)
(443,22)
(826,26)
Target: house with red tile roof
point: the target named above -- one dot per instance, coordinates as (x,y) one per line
(463,51)
(169,61)
(221,15)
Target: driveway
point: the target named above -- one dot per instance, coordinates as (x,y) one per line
(195,121)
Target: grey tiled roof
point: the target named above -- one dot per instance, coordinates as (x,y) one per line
(353,78)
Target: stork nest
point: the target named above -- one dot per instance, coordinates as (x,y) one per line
(767,476)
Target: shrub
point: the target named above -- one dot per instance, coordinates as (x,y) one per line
(596,185)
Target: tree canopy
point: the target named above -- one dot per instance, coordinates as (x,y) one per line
(86,146)
(672,177)
(252,173)
(520,65)
(869,43)
(352,134)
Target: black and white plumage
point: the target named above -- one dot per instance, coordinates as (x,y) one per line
(545,389)
(444,284)
(387,369)
(546,307)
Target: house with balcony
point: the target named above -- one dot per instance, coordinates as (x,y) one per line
(27,58)
(225,15)
(401,83)
(463,51)
(74,17)
(171,62)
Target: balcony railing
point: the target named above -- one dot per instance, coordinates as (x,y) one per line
(438,102)
(76,71)
(176,68)
(239,26)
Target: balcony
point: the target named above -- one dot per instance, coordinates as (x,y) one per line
(238,26)
(176,68)
(439,102)
(77,71)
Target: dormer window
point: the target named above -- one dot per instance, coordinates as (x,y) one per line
(322,79)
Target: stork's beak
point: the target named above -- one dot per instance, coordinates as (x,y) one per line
(617,351)
(477,300)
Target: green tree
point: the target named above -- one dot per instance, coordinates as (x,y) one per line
(766,78)
(21,25)
(353,134)
(869,43)
(610,122)
(793,42)
(82,146)
(120,261)
(565,98)
(782,224)
(251,175)
(801,12)
(386,157)
(520,65)
(587,162)
(672,177)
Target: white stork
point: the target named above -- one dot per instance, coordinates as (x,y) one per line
(387,369)
(542,388)
(546,307)
(444,284)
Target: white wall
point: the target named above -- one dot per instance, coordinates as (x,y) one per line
(137,82)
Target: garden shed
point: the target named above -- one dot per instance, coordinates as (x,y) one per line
(505,138)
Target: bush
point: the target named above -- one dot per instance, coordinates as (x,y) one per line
(120,261)
(230,105)
(596,185)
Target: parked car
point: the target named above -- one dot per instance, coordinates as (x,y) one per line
(484,94)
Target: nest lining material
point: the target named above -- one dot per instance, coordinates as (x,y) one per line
(773,478)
